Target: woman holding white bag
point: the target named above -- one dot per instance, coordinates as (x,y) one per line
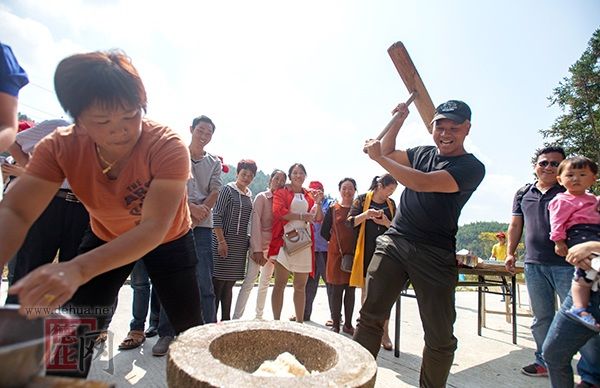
(294,211)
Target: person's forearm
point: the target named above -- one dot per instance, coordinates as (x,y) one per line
(219,234)
(17,153)
(319,214)
(359,219)
(514,236)
(590,247)
(7,137)
(14,229)
(292,216)
(9,122)
(211,200)
(17,215)
(408,177)
(388,142)
(123,250)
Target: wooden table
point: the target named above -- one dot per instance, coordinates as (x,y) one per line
(487,276)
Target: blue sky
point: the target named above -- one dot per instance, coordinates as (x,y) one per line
(310,81)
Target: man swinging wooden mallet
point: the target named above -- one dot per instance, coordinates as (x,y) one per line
(420,244)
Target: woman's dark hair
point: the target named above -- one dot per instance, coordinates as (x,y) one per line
(347,180)
(385,180)
(275,172)
(578,162)
(247,164)
(107,78)
(294,166)
(203,119)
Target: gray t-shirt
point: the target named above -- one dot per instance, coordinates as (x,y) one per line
(206,178)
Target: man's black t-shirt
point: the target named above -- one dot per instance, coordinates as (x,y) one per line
(432,218)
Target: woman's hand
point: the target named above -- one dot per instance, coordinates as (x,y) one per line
(308,217)
(317,195)
(374,214)
(580,255)
(47,288)
(12,169)
(259,258)
(222,248)
(382,220)
(199,212)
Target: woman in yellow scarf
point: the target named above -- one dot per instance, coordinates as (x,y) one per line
(371,216)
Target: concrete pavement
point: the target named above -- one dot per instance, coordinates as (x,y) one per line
(489,360)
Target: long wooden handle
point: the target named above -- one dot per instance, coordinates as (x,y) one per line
(385,130)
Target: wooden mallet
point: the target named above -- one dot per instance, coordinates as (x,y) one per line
(418,93)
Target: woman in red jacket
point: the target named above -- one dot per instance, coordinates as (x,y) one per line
(293,208)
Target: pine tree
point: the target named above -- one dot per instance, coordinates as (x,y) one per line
(577,130)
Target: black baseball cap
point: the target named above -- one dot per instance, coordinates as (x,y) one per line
(454,110)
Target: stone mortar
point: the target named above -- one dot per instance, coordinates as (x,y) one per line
(225,355)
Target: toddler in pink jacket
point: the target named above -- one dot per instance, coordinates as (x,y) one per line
(575,218)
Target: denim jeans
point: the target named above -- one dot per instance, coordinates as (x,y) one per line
(154,308)
(140,282)
(204,272)
(567,336)
(544,282)
(312,284)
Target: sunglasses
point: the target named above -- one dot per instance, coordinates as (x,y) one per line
(545,163)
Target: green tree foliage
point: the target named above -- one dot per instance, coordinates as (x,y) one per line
(578,96)
(479,237)
(487,241)
(260,182)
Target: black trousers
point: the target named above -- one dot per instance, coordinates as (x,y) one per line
(346,293)
(172,269)
(433,274)
(59,228)
(223,296)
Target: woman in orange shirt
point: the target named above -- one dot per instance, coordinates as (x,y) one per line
(131,175)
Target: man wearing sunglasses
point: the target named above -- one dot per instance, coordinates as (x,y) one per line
(546,273)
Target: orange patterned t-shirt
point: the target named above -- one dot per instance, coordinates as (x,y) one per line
(115,206)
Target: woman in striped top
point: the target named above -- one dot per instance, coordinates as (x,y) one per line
(231,217)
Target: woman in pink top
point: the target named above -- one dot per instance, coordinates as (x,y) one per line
(260,238)
(130,173)
(574,219)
